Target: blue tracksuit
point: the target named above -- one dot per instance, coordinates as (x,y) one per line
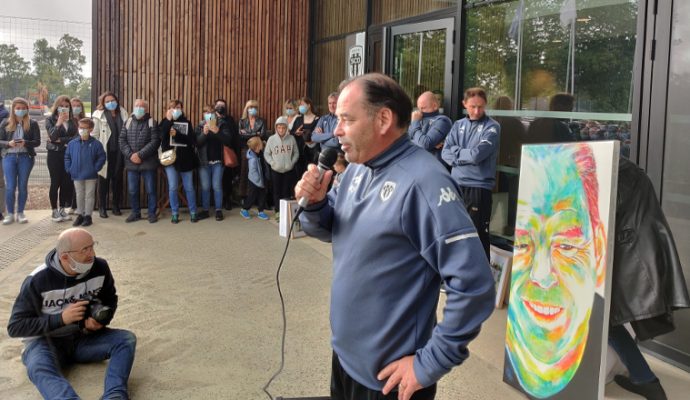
(398,231)
(428,132)
(327,123)
(471,149)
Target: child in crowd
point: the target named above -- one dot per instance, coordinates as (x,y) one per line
(84,157)
(340,166)
(282,154)
(256,190)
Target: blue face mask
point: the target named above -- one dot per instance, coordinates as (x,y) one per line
(139,112)
(176,113)
(209,116)
(252,112)
(111,105)
(76,110)
(289,112)
(21,113)
(303,109)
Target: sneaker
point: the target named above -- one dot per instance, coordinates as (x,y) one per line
(9,218)
(87,221)
(262,216)
(55,216)
(64,215)
(72,211)
(276,216)
(21,218)
(203,215)
(175,219)
(133,217)
(651,390)
(219,215)
(78,221)
(245,214)
(116,211)
(103,213)
(153,218)
(193,217)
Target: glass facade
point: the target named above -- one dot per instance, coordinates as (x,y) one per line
(554,71)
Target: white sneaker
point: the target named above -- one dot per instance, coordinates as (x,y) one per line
(64,215)
(72,211)
(55,216)
(21,218)
(9,218)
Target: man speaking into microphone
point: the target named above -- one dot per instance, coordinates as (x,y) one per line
(399,229)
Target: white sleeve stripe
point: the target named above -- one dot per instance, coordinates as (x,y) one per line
(461,237)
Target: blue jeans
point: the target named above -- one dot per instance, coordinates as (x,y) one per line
(630,355)
(188,185)
(216,177)
(44,358)
(17,168)
(133,188)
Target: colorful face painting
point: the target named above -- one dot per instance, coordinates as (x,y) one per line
(559,265)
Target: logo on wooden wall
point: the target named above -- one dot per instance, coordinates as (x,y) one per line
(356,61)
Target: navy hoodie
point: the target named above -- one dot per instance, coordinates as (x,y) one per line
(37,311)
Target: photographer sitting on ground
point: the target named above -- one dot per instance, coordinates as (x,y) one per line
(62,311)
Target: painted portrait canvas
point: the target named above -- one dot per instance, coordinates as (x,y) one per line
(560,285)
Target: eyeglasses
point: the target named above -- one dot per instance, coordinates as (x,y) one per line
(85,250)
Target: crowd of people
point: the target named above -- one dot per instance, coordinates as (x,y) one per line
(85,155)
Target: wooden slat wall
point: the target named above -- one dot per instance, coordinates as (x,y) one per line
(390,10)
(328,71)
(198,50)
(336,17)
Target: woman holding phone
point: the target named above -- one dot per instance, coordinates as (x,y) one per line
(251,125)
(19,135)
(61,129)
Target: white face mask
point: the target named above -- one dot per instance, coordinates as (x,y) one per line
(84,133)
(79,268)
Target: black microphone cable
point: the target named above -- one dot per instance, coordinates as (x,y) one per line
(282,307)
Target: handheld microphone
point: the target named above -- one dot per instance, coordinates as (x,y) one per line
(326,160)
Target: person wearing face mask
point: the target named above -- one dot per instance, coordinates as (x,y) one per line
(108,120)
(429,128)
(19,136)
(3,114)
(61,129)
(221,109)
(295,121)
(139,140)
(178,132)
(309,153)
(53,314)
(78,114)
(212,134)
(250,125)
(83,159)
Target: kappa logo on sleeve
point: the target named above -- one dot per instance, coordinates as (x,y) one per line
(354,185)
(387,190)
(447,195)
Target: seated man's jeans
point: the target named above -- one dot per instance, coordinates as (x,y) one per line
(44,357)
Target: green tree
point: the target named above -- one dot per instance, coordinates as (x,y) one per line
(13,71)
(59,68)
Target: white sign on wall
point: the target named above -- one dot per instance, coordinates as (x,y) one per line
(355,60)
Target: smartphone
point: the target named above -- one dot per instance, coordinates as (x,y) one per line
(19,140)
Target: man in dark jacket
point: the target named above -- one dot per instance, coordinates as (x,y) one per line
(647,283)
(139,141)
(62,312)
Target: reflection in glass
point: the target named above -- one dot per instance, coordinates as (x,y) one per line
(419,61)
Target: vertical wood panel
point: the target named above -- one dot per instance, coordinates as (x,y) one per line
(198,50)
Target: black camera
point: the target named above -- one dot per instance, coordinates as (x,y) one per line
(97,310)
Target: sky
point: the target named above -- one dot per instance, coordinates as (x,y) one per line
(73,10)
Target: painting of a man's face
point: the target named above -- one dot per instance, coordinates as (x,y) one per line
(556,267)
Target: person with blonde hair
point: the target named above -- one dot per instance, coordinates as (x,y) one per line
(19,136)
(251,125)
(62,128)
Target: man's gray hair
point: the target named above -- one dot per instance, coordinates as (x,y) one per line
(146,103)
(334,95)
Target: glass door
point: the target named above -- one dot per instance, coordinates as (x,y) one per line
(421,58)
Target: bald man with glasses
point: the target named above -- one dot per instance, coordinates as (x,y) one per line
(62,313)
